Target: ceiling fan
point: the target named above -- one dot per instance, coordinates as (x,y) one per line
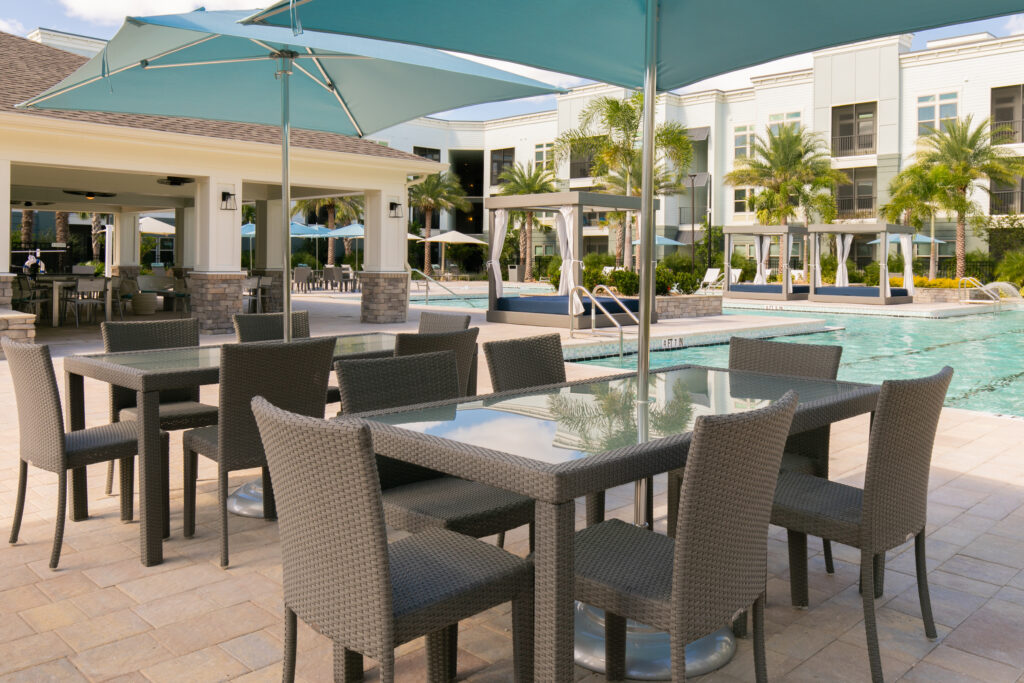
(29,204)
(175,181)
(88,194)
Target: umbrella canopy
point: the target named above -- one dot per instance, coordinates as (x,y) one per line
(918,239)
(155,226)
(662,241)
(308,231)
(454,237)
(249,230)
(352,231)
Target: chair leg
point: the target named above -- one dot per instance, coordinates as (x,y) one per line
(760,659)
(19,504)
(442,646)
(675,481)
(867,577)
(269,502)
(62,503)
(222,496)
(922,587)
(878,571)
(614,647)
(678,657)
(191,463)
(798,568)
(348,666)
(165,486)
(739,625)
(127,468)
(533,534)
(290,640)
(595,508)
(522,638)
(109,489)
(79,495)
(501,539)
(826,546)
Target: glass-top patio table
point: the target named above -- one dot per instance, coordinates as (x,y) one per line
(147,373)
(558,443)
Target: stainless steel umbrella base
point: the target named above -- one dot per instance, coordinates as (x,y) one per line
(648,650)
(247,500)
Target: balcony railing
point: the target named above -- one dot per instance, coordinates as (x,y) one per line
(1007,132)
(852,145)
(1002,202)
(856,207)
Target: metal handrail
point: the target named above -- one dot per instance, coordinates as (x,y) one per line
(618,301)
(965,284)
(426,297)
(595,305)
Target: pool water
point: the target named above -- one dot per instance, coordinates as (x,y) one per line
(986,351)
(474,300)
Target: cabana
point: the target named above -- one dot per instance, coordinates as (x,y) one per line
(554,310)
(841,291)
(784,290)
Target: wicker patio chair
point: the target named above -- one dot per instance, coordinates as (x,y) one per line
(890,509)
(462,342)
(179,408)
(417,498)
(345,580)
(292,376)
(716,565)
(254,327)
(442,322)
(44,443)
(525,363)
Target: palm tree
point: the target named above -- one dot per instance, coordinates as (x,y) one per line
(793,170)
(914,198)
(438,192)
(63,220)
(609,133)
(964,155)
(98,230)
(628,182)
(28,224)
(527,180)
(339,209)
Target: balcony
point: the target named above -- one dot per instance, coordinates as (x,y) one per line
(862,206)
(853,145)
(1002,202)
(1007,132)
(580,169)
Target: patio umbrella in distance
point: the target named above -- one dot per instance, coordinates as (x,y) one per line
(452,237)
(206,65)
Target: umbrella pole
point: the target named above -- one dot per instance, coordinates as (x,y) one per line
(286,301)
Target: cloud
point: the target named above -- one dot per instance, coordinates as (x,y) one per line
(12,26)
(114,11)
(1014,24)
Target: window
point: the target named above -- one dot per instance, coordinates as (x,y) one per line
(739,200)
(427,153)
(580,164)
(544,155)
(857,198)
(777,121)
(935,112)
(1007,115)
(853,129)
(501,160)
(742,137)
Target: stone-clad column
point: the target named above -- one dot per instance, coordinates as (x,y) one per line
(216,282)
(6,278)
(123,248)
(385,282)
(269,252)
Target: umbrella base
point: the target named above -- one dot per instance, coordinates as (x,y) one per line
(247,500)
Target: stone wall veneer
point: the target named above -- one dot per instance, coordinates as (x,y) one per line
(692,306)
(385,297)
(216,298)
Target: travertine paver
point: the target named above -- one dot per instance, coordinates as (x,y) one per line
(103,616)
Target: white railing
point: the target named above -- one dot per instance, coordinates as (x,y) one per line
(428,279)
(966,284)
(596,305)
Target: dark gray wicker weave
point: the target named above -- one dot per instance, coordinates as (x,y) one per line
(293,376)
(253,327)
(890,509)
(416,498)
(462,342)
(431,323)
(525,363)
(717,564)
(179,408)
(44,443)
(344,579)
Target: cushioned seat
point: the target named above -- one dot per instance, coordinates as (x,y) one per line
(452,503)
(766,289)
(177,415)
(857,291)
(202,440)
(559,305)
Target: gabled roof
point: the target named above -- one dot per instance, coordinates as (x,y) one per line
(28,68)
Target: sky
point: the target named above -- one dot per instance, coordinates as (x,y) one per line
(101,19)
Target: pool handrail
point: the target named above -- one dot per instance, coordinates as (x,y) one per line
(595,304)
(426,297)
(617,300)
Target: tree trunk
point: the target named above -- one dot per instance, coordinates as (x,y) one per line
(331,218)
(28,224)
(620,242)
(522,249)
(961,245)
(528,275)
(63,226)
(97,233)
(348,245)
(428,217)
(933,254)
(634,258)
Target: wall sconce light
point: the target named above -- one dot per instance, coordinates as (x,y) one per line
(227,201)
(395,209)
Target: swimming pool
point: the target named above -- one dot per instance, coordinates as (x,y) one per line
(473,299)
(986,351)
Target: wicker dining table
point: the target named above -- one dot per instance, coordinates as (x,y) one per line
(558,443)
(148,373)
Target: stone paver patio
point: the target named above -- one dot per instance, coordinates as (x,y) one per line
(102,616)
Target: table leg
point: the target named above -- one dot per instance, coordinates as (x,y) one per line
(55,305)
(151,469)
(74,390)
(553,614)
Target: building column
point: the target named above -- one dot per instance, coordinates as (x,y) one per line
(216,281)
(6,277)
(269,255)
(385,282)
(123,246)
(185,239)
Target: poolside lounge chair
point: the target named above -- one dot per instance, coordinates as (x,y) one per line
(343,578)
(712,281)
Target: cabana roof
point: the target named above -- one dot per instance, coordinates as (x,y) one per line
(552,201)
(860,228)
(758,229)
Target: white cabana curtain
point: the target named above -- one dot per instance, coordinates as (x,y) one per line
(785,249)
(883,273)
(907,247)
(497,244)
(762,248)
(816,244)
(563,220)
(843,244)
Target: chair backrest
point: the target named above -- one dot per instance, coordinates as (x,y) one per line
(253,327)
(159,271)
(815,361)
(900,456)
(129,286)
(155,283)
(442,322)
(291,375)
(720,563)
(83,270)
(524,363)
(711,276)
(266,280)
(90,285)
(145,336)
(334,554)
(301,273)
(250,283)
(40,422)
(462,342)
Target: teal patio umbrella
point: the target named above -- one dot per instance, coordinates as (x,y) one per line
(207,65)
(309,232)
(918,239)
(662,241)
(249,232)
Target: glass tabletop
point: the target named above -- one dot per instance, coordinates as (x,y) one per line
(208,357)
(565,423)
